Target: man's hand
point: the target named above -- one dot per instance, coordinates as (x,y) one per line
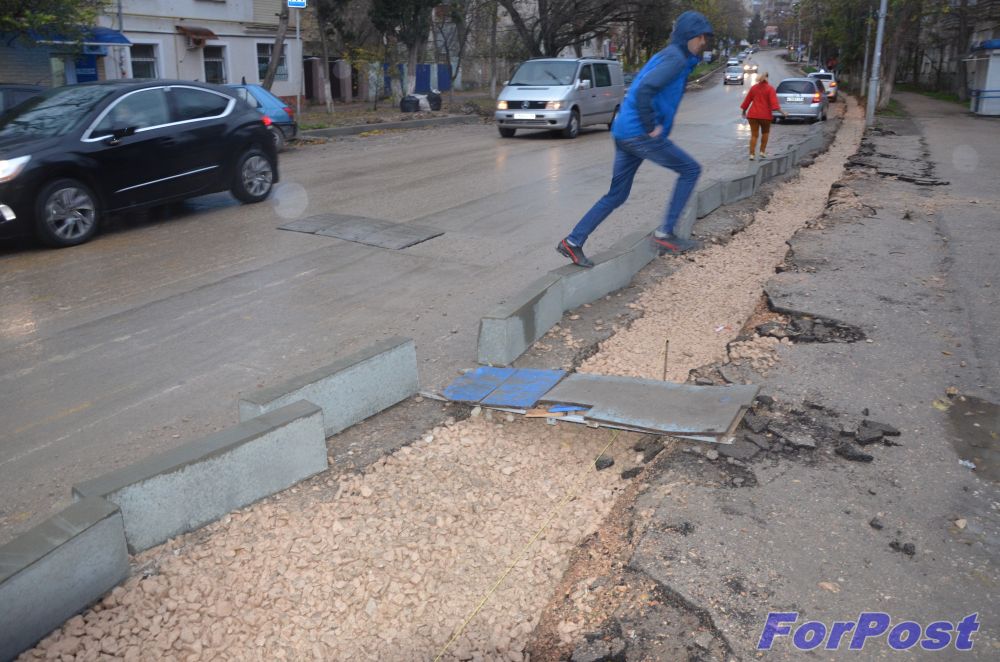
(655,133)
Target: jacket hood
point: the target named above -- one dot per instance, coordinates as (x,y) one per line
(689,25)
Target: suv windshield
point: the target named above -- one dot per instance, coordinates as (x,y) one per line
(544,72)
(54,113)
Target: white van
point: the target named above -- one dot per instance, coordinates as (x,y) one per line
(561,95)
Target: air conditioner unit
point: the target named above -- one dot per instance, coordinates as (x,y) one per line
(194,42)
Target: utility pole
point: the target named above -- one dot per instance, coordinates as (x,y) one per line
(301,69)
(868,39)
(876,66)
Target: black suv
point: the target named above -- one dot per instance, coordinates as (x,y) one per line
(75,153)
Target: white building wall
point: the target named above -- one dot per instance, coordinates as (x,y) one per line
(239,25)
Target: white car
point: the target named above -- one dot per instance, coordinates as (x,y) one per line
(560,95)
(829,83)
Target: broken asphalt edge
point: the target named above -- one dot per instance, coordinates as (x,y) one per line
(69,561)
(511,328)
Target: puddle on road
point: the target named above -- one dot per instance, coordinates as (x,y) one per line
(975,427)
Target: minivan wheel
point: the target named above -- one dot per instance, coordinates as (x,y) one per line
(614,116)
(66,213)
(506,133)
(254,176)
(278,137)
(572,129)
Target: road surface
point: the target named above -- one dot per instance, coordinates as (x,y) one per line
(144,338)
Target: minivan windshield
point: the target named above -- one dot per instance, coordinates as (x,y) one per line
(544,72)
(54,113)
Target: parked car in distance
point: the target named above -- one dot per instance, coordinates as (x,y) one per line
(283,125)
(801,98)
(734,75)
(13,94)
(560,95)
(73,154)
(829,82)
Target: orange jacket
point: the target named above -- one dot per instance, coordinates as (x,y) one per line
(761,100)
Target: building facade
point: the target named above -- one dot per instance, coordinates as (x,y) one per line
(217,41)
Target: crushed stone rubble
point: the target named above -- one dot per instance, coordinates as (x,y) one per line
(387,569)
(701,307)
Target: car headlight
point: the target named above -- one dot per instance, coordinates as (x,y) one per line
(501,105)
(11,168)
(553,105)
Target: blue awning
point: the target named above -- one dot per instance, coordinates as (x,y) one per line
(95,36)
(988,44)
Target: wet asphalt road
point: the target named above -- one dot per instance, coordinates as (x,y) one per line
(144,338)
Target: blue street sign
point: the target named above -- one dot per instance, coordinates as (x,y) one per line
(296,4)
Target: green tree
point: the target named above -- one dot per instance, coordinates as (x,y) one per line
(67,18)
(407,22)
(755,31)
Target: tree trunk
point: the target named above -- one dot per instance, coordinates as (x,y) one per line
(277,49)
(325,65)
(493,52)
(961,84)
(411,68)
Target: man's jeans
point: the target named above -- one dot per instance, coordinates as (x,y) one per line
(629,154)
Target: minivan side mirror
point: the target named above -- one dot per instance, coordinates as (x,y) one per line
(584,85)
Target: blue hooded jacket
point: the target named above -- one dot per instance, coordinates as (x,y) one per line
(656,92)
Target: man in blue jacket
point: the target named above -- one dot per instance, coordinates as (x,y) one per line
(640,132)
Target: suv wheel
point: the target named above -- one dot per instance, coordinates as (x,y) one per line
(254,176)
(572,129)
(506,133)
(66,213)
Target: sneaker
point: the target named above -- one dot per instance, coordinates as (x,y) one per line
(574,253)
(751,157)
(669,244)
(763,155)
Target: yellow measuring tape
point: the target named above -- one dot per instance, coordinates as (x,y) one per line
(571,493)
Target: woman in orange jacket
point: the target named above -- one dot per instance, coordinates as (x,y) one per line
(761,100)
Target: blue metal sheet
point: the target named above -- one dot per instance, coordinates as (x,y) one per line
(524,388)
(476,385)
(564,408)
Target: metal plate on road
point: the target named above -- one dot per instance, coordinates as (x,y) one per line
(368,231)
(654,405)
(503,387)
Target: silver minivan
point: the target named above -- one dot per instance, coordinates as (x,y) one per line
(561,95)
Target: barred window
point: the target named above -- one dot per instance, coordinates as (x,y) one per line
(264,57)
(143,60)
(215,64)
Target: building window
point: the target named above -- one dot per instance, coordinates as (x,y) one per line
(215,64)
(143,61)
(264,57)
